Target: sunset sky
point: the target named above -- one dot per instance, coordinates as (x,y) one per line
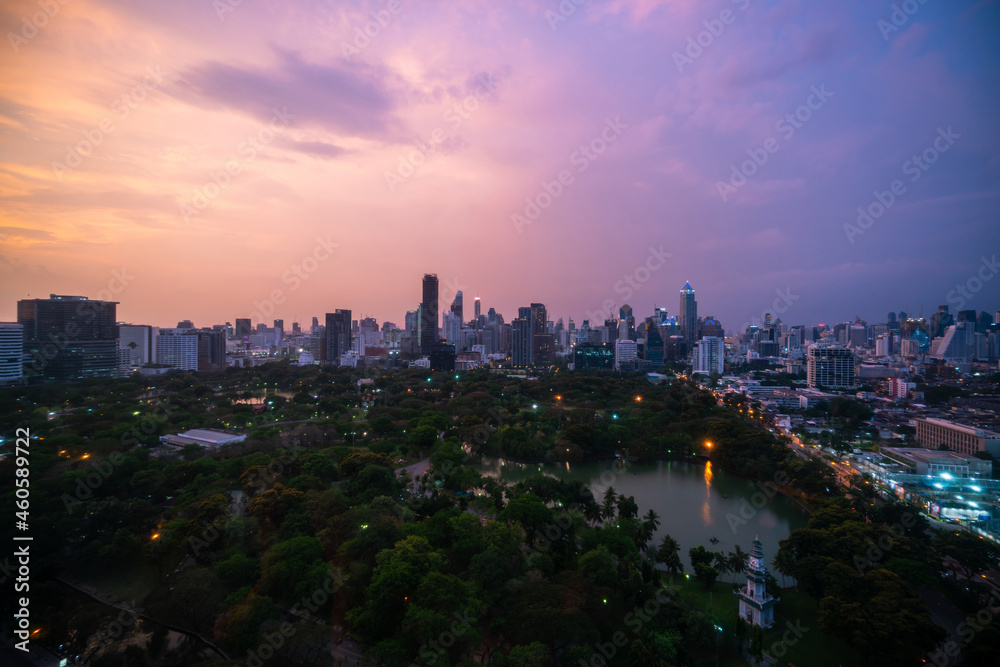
(318,124)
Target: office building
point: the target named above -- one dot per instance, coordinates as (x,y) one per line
(337,337)
(542,345)
(137,345)
(626,352)
(69,338)
(457,306)
(933,433)
(211,350)
(177,348)
(429,313)
(830,366)
(11,353)
(689,315)
(442,357)
(521,344)
(653,348)
(587,356)
(244,329)
(626,316)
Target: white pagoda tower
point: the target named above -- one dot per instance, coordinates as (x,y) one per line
(756,605)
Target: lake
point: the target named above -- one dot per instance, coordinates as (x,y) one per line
(695,501)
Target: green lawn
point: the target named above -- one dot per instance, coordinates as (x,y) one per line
(796,610)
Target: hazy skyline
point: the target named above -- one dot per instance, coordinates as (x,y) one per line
(319,124)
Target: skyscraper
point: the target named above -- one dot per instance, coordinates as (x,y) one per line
(521,348)
(178,348)
(689,315)
(457,306)
(337,335)
(429,313)
(70,338)
(541,340)
(625,312)
(710,355)
(138,341)
(243,327)
(830,366)
(11,352)
(479,308)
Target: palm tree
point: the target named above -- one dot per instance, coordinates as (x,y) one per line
(721,563)
(783,564)
(610,503)
(737,561)
(593,512)
(650,523)
(669,554)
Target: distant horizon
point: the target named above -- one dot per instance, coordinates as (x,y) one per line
(554,316)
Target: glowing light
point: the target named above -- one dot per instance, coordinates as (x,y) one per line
(155,536)
(86,456)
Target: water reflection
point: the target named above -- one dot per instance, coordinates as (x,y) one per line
(706,510)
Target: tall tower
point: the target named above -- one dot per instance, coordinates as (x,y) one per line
(337,335)
(429,313)
(457,306)
(756,605)
(689,315)
(478,308)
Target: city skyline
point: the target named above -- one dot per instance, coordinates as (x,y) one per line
(234,149)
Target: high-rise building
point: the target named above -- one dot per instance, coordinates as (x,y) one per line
(279,330)
(442,357)
(710,355)
(457,306)
(711,327)
(940,321)
(337,335)
(185,324)
(211,350)
(244,329)
(653,348)
(452,327)
(587,356)
(11,352)
(521,345)
(68,338)
(689,315)
(830,366)
(625,313)
(542,349)
(137,342)
(626,352)
(479,308)
(315,325)
(296,329)
(429,313)
(177,348)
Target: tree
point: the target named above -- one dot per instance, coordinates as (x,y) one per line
(650,522)
(609,505)
(737,561)
(535,654)
(668,553)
